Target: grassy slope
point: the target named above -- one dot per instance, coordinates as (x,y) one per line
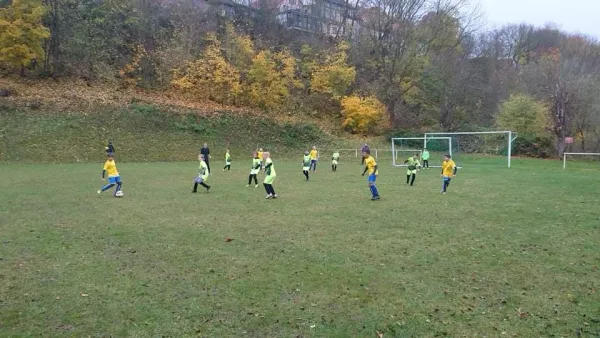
(510,252)
(145,133)
(66,121)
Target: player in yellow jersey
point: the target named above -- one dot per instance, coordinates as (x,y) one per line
(114,178)
(449,170)
(260,153)
(314,157)
(203,173)
(371,167)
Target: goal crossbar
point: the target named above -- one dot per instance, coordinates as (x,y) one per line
(577,154)
(509,133)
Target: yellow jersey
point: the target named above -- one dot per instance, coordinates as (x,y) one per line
(260,155)
(203,170)
(313,154)
(448,168)
(111,168)
(370,163)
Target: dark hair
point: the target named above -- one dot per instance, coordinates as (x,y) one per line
(448,156)
(367,151)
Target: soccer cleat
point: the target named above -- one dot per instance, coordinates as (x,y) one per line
(376,198)
(256,186)
(99,192)
(275,196)
(207,189)
(269,196)
(247,185)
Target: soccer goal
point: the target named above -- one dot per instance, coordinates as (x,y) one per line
(480,142)
(582,156)
(404,147)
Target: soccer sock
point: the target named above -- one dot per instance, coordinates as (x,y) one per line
(108,186)
(228,167)
(305,174)
(119,186)
(255,179)
(267,188)
(205,185)
(407,178)
(250,179)
(272,189)
(195,187)
(374,191)
(445,186)
(412,181)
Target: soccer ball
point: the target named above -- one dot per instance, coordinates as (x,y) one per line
(119,194)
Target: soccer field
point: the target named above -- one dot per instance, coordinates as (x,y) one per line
(507,252)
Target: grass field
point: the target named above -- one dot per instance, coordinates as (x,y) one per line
(508,252)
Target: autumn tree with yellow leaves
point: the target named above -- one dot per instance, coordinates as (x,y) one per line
(363,114)
(334,76)
(211,76)
(22,34)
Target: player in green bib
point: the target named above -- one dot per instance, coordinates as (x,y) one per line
(270,178)
(413,167)
(425,158)
(227,160)
(202,177)
(306,164)
(334,160)
(256,163)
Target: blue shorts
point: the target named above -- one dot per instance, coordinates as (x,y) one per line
(447,179)
(372,178)
(114,179)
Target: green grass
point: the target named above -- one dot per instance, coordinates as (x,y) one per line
(508,252)
(143,133)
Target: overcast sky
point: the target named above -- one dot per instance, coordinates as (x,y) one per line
(570,15)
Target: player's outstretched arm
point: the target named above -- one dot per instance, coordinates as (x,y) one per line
(455,171)
(365,171)
(103,174)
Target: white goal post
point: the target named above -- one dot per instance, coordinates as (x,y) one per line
(576,154)
(506,132)
(395,151)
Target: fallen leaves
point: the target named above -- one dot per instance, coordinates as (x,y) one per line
(379,334)
(228,239)
(83,294)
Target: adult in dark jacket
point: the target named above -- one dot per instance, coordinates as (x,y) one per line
(110,149)
(206,152)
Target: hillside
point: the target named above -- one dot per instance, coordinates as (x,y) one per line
(70,122)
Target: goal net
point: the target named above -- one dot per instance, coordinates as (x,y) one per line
(497,143)
(585,159)
(405,147)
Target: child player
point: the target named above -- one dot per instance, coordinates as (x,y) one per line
(449,170)
(254,170)
(371,167)
(270,176)
(413,167)
(227,160)
(314,157)
(110,168)
(260,153)
(425,158)
(334,160)
(306,164)
(203,173)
